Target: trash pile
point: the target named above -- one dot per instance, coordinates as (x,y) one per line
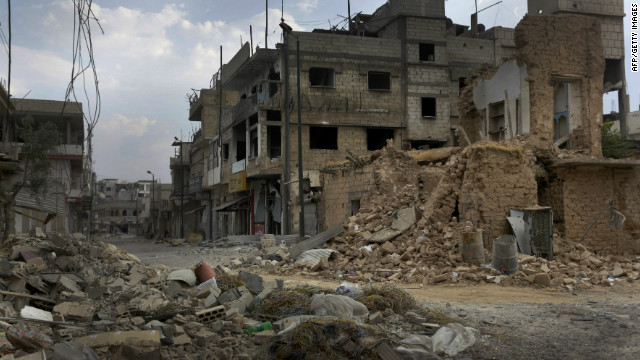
(407,230)
(64,297)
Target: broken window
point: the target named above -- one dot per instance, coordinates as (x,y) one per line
(274,141)
(323,138)
(461,84)
(253,119)
(274,115)
(497,125)
(253,144)
(427,52)
(225,151)
(428,107)
(377,138)
(322,77)
(355,207)
(379,80)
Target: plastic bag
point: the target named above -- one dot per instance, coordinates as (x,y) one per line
(29,312)
(348,289)
(209,282)
(336,305)
(453,338)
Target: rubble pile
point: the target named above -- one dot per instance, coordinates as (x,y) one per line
(65,289)
(407,229)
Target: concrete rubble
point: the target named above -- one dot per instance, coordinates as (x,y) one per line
(408,228)
(92,300)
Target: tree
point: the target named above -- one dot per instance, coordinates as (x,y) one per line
(614,145)
(37,141)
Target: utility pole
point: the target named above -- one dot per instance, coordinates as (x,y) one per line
(287,143)
(219,141)
(300,173)
(9,122)
(266,27)
(349,15)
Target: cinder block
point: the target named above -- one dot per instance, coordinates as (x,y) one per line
(210,315)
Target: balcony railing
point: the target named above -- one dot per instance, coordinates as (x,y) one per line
(238,166)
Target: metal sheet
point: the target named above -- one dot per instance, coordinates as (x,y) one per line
(52,202)
(524,241)
(314,256)
(315,241)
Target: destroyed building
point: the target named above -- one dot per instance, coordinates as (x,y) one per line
(395,74)
(533,158)
(62,201)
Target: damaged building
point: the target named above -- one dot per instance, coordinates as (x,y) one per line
(530,129)
(60,209)
(396,74)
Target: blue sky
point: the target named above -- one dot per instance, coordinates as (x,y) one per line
(153,52)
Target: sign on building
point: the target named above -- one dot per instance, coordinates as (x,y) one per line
(238,182)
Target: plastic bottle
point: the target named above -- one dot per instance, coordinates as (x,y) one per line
(260,327)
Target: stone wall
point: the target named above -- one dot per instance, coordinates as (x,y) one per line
(340,187)
(586,191)
(497,178)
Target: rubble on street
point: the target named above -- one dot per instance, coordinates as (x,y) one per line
(65,297)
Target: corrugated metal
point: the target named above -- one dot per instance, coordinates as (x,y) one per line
(315,241)
(52,202)
(314,256)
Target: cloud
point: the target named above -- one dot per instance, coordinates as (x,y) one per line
(120,125)
(307,6)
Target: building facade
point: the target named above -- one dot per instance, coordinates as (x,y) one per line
(394,75)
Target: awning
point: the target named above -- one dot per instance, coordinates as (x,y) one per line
(229,206)
(194,210)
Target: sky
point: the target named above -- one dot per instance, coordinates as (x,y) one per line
(154,52)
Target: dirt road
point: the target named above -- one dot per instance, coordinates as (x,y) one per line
(516,322)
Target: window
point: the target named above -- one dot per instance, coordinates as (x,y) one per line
(377,138)
(274,141)
(322,77)
(428,107)
(253,143)
(323,138)
(427,52)
(379,80)
(274,115)
(225,151)
(355,207)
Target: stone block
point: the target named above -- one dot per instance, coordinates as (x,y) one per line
(404,219)
(228,296)
(80,311)
(253,282)
(542,279)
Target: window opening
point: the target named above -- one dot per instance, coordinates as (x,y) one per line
(274,141)
(427,52)
(323,138)
(379,80)
(428,107)
(377,138)
(322,77)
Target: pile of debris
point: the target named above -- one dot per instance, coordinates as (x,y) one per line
(407,228)
(65,297)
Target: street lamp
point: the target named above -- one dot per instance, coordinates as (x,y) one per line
(286,28)
(153,202)
(177,142)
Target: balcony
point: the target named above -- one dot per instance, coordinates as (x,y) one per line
(238,166)
(245,108)
(67,150)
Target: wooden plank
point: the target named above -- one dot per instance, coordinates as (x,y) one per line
(10,293)
(315,241)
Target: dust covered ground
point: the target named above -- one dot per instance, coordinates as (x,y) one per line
(516,322)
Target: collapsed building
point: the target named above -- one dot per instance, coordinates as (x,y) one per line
(526,163)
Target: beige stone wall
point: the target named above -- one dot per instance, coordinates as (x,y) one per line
(556,46)
(340,187)
(586,191)
(497,178)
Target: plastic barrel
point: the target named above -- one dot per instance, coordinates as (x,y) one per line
(472,247)
(204,272)
(505,254)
